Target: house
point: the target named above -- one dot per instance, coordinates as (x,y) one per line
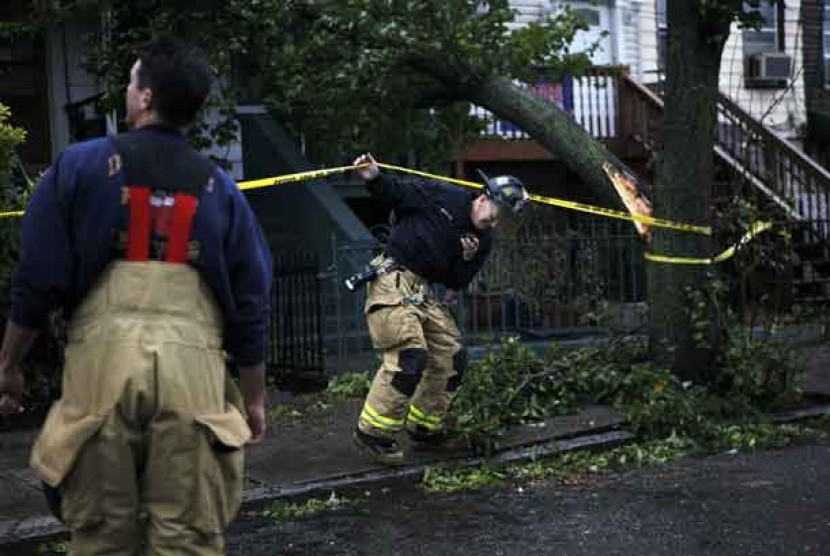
(767,79)
(771,79)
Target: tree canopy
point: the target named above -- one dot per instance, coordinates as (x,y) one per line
(390,75)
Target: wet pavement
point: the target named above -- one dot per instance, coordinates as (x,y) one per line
(302,456)
(313,454)
(770,503)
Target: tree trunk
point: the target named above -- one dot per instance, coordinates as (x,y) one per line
(554,129)
(683,184)
(545,122)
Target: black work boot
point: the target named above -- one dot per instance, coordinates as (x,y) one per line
(383,450)
(424,439)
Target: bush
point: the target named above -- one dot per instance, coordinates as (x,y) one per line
(507,387)
(12,197)
(42,366)
(513,385)
(758,374)
(351,385)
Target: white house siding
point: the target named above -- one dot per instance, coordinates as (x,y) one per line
(527,11)
(637,38)
(782,109)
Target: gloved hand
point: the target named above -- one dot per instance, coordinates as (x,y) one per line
(369,172)
(469,247)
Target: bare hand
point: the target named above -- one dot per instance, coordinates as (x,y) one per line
(370,169)
(469,247)
(256,421)
(11,391)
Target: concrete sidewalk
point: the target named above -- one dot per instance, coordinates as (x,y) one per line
(313,453)
(300,456)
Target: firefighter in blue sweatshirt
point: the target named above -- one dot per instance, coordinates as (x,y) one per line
(442,235)
(158,262)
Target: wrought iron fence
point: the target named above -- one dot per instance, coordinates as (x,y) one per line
(568,273)
(295,334)
(588,274)
(786,268)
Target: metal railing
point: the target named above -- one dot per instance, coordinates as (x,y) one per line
(784,268)
(585,274)
(295,332)
(777,170)
(792,177)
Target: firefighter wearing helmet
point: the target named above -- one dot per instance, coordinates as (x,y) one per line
(442,236)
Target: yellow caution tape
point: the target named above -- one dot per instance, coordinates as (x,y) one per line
(573,205)
(757,228)
(465,183)
(289,178)
(620,215)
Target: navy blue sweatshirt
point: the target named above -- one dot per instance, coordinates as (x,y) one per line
(67,242)
(431,218)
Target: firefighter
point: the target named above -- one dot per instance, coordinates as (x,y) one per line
(155,256)
(442,235)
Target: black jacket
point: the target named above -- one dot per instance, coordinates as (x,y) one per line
(431,218)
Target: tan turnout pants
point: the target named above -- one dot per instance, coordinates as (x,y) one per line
(143,446)
(423,360)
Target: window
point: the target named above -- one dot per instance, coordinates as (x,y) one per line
(591,17)
(766,64)
(769,35)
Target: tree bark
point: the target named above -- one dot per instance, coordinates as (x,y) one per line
(555,130)
(683,184)
(545,122)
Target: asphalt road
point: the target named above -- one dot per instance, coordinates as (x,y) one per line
(770,503)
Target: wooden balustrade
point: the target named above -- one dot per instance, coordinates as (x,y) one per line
(592,98)
(611,106)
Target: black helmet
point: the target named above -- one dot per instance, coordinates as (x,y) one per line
(506,191)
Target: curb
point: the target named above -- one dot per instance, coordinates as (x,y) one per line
(46,528)
(512,455)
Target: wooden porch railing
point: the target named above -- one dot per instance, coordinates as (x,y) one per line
(611,105)
(641,114)
(592,98)
(776,168)
(791,176)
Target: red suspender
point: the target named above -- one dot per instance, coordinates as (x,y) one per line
(138,235)
(184,208)
(142,215)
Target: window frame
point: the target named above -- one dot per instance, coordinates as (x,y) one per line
(752,41)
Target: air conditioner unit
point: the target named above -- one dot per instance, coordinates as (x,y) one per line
(769,66)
